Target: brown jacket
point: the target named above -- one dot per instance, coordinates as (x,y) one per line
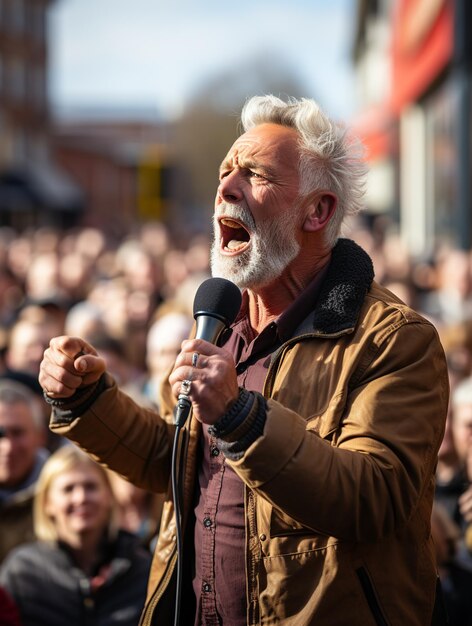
(340,486)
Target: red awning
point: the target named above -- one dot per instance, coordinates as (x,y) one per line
(422,46)
(374,127)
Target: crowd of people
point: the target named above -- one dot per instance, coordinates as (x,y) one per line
(132,300)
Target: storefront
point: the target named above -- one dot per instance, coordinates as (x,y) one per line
(425,130)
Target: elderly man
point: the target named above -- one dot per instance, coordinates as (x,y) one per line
(22,435)
(312,444)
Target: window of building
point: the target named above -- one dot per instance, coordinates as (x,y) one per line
(19,145)
(38,86)
(16,79)
(37,23)
(17,16)
(441,159)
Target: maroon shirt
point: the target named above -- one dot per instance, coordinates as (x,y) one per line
(220,564)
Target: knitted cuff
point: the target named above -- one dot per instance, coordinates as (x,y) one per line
(67,409)
(233,443)
(235,415)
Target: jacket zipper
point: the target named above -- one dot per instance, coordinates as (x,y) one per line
(370,596)
(146,619)
(252,559)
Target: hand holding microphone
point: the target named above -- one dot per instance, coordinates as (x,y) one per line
(204,375)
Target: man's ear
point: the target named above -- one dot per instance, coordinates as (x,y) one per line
(320,212)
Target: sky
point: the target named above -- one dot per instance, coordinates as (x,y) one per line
(153,54)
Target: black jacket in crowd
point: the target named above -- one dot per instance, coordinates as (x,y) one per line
(50,590)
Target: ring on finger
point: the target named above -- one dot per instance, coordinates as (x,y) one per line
(195,356)
(185,387)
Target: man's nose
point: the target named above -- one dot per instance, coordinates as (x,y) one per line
(229,188)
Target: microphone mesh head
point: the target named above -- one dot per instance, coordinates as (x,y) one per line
(219,298)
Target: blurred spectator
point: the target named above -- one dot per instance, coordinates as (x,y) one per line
(197,255)
(42,277)
(155,239)
(451,301)
(127,376)
(175,272)
(403,290)
(27,340)
(139,510)
(110,297)
(455,574)
(138,267)
(396,258)
(75,276)
(462,430)
(163,345)
(22,456)
(90,243)
(19,256)
(82,569)
(457,343)
(11,295)
(49,313)
(84,319)
(451,480)
(185,293)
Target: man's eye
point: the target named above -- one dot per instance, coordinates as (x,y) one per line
(254,174)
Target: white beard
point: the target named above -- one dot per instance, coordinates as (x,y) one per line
(273,247)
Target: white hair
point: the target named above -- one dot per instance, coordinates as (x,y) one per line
(330,158)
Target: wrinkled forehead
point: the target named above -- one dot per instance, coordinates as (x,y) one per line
(268,142)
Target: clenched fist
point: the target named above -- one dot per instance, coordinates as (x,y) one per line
(69,363)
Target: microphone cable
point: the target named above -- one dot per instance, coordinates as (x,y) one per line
(216,304)
(182,411)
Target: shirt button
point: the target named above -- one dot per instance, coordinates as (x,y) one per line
(215,451)
(207,522)
(262,537)
(206,587)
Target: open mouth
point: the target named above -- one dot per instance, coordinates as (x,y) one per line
(234,236)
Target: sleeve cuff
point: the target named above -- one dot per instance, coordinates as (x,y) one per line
(65,410)
(241,425)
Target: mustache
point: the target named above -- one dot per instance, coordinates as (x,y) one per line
(237,212)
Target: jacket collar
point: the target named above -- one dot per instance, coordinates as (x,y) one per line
(342,293)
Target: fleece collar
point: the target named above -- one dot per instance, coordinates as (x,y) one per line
(342,293)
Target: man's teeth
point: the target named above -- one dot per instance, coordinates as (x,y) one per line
(230,223)
(234,244)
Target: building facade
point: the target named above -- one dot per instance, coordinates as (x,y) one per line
(33,190)
(413,67)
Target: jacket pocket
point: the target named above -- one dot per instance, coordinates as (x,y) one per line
(371,596)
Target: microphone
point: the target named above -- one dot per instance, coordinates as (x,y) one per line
(216,304)
(215,307)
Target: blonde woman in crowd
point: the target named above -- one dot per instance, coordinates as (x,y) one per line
(82,569)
